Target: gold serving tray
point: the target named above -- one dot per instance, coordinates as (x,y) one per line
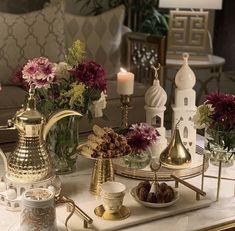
(164,174)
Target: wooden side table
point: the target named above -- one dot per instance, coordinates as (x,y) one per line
(208,74)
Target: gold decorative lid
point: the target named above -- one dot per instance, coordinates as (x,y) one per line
(29,115)
(175,155)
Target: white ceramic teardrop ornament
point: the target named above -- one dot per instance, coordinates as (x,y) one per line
(185,77)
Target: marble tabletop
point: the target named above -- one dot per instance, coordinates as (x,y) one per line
(76,186)
(211,62)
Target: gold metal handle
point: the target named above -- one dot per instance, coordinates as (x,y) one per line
(195,189)
(65,200)
(86,219)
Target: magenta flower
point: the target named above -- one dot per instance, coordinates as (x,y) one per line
(223,115)
(39,72)
(141,136)
(91,74)
(214,98)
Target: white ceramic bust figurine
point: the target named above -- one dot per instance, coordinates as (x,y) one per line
(155,100)
(99,105)
(184,108)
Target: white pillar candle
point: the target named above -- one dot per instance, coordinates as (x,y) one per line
(125,83)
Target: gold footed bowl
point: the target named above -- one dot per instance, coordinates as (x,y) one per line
(103,146)
(102,172)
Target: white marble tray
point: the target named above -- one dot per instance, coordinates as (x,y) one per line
(139,214)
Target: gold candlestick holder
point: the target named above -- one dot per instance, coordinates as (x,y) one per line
(126,105)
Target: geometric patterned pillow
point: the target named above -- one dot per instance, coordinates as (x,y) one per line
(101,35)
(30,35)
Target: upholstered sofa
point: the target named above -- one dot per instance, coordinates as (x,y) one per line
(49,32)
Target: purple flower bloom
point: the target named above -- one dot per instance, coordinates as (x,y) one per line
(91,74)
(214,97)
(223,115)
(141,136)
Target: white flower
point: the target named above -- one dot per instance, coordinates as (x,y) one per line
(62,70)
(202,117)
(197,119)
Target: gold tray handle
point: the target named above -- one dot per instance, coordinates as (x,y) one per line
(72,207)
(65,200)
(192,187)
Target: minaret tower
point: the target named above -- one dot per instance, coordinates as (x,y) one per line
(184,108)
(155,100)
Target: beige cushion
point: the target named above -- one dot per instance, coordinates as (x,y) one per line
(101,34)
(25,36)
(11,99)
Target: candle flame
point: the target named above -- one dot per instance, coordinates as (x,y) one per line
(123,70)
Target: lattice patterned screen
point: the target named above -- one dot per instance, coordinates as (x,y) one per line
(188,32)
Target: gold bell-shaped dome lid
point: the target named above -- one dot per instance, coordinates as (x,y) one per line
(175,155)
(29,115)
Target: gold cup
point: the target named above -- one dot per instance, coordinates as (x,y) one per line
(112,194)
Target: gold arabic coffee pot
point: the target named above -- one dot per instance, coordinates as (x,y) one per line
(30,161)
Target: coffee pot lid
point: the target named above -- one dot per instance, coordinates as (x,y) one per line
(29,114)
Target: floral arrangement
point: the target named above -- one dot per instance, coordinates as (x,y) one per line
(217,115)
(78,84)
(75,84)
(141,136)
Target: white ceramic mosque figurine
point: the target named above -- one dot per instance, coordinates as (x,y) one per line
(155,100)
(184,107)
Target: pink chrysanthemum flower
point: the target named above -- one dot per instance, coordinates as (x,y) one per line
(141,136)
(39,72)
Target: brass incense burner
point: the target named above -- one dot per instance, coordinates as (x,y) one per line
(30,161)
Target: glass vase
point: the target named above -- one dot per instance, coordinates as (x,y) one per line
(220,146)
(138,160)
(62,142)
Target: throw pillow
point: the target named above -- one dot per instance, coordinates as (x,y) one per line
(101,34)
(26,36)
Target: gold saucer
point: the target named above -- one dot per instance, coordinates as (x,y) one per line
(123,213)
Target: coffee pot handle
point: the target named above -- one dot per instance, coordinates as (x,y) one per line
(4,160)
